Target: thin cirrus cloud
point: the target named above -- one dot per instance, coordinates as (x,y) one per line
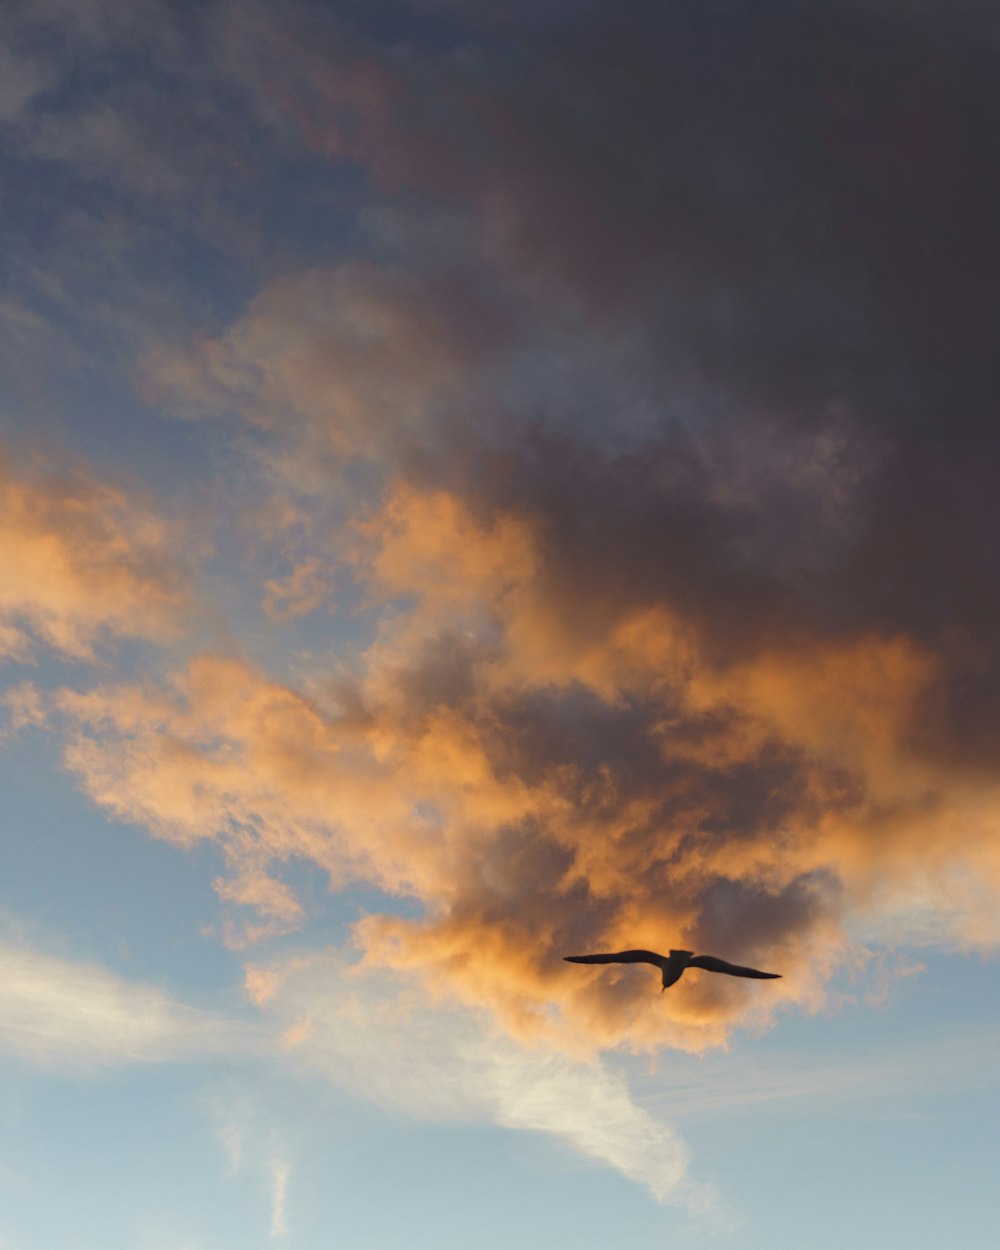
(365,1031)
(281,1171)
(356,1029)
(66,1014)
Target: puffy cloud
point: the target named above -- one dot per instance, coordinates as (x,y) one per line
(544,782)
(733,687)
(735,186)
(82,561)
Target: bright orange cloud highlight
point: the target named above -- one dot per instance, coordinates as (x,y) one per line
(541,798)
(81,562)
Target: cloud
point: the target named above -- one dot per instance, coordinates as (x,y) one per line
(281,1171)
(231,1134)
(84,563)
(364,1031)
(301,592)
(24,706)
(546,773)
(105,143)
(254,1146)
(371,1034)
(367,1032)
(636,388)
(749,179)
(66,1014)
(100,21)
(732,682)
(22,79)
(307,363)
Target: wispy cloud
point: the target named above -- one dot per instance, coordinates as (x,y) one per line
(232,1136)
(22,79)
(369,1032)
(254,1145)
(281,1171)
(60,1013)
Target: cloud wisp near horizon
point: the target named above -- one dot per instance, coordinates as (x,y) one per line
(369,1036)
(532,466)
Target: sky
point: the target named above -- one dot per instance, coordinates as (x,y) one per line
(481,482)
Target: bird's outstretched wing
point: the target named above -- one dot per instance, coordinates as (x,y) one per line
(619,957)
(711,964)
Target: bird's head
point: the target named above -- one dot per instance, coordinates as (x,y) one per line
(681,954)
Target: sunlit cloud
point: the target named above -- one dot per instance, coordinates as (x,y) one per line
(23,705)
(576,528)
(730,684)
(544,784)
(83,563)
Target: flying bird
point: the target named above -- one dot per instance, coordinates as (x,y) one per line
(674,964)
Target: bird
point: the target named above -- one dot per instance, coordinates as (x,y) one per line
(673,965)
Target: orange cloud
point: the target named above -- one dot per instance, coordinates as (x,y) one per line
(541,797)
(82,562)
(734,684)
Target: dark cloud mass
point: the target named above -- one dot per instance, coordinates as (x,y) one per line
(789,211)
(796,199)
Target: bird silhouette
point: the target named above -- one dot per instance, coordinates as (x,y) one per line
(673,965)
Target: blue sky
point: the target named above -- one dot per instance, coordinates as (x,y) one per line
(481,483)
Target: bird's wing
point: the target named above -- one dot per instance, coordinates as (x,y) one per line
(620,957)
(711,964)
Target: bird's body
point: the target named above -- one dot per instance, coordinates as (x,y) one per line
(672,966)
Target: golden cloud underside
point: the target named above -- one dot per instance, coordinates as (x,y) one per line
(543,789)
